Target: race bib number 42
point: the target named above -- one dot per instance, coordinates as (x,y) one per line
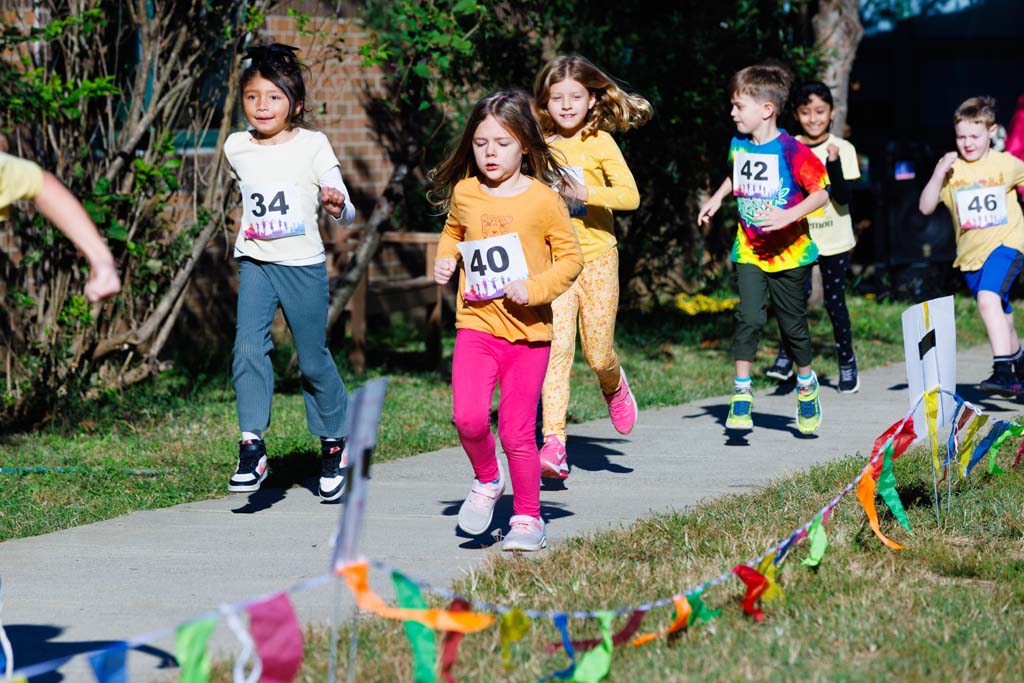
(755,175)
(491,264)
(983,207)
(271,211)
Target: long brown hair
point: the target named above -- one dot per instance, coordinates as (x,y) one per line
(512,110)
(614,108)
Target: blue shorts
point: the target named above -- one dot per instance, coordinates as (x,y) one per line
(997,274)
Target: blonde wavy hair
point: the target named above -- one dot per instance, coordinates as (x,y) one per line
(614,109)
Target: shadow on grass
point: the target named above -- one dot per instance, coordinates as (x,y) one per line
(33,644)
(298,468)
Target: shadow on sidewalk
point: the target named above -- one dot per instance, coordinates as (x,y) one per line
(33,644)
(549,512)
(780,423)
(591,454)
(300,468)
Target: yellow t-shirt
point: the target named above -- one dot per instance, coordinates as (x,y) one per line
(19,179)
(980,196)
(832,227)
(552,252)
(280,187)
(597,162)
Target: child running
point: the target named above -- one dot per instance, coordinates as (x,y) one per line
(283,169)
(777,182)
(832,231)
(579,106)
(977,185)
(513,233)
(24,179)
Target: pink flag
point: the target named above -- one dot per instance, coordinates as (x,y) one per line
(278,637)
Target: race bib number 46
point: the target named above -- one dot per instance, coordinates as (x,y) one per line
(983,207)
(491,264)
(755,175)
(270,212)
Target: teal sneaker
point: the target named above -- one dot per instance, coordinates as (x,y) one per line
(741,406)
(808,408)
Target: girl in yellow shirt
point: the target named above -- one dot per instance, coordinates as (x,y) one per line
(578,106)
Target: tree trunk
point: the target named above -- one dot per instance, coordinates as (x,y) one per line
(837,31)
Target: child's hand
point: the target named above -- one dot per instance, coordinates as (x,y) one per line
(945,164)
(772,218)
(103,282)
(833,152)
(577,191)
(333,200)
(443,270)
(707,210)
(516,293)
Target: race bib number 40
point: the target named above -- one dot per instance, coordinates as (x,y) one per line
(271,211)
(491,264)
(755,175)
(983,207)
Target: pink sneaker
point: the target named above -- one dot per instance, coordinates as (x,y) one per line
(525,533)
(478,508)
(622,406)
(553,463)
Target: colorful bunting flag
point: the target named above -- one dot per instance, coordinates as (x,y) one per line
(1011,430)
(986,444)
(108,665)
(966,449)
(514,625)
(931,411)
(683,611)
(866,496)
(190,650)
(818,542)
(620,637)
(278,637)
(421,637)
(887,489)
(595,664)
(902,435)
(767,567)
(562,624)
(757,584)
(355,575)
(450,651)
(1020,454)
(701,612)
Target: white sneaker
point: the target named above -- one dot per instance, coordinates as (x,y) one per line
(526,533)
(334,462)
(478,508)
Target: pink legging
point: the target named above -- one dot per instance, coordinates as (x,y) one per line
(480,362)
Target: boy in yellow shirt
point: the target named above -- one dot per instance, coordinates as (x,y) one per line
(22,179)
(977,185)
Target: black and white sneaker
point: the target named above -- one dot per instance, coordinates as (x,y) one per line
(781,369)
(252,466)
(849,380)
(332,470)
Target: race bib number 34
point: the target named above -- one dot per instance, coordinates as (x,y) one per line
(755,175)
(491,264)
(983,207)
(271,211)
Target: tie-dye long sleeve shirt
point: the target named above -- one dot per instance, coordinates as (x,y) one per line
(782,173)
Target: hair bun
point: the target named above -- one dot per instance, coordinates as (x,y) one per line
(259,52)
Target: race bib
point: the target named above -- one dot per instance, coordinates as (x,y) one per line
(983,207)
(271,211)
(755,175)
(491,264)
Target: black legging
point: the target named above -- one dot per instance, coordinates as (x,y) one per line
(833,284)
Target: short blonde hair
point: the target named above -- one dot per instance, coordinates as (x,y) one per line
(763,82)
(977,110)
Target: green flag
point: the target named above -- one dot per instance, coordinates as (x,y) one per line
(700,610)
(887,489)
(595,664)
(421,638)
(818,541)
(190,650)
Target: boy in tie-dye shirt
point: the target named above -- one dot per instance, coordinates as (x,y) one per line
(777,183)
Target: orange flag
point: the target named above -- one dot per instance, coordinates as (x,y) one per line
(439,620)
(682,618)
(866,496)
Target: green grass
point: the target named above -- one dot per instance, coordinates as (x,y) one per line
(185,427)
(950,607)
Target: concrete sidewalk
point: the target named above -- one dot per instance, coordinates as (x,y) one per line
(75,590)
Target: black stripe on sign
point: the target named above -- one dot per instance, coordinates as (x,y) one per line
(926,344)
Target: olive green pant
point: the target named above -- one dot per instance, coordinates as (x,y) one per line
(786,291)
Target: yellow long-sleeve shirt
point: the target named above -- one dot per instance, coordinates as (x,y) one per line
(19,179)
(549,243)
(610,186)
